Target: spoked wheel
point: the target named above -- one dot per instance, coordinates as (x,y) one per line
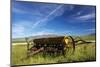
(70,44)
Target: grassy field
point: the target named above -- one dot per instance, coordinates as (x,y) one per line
(83,52)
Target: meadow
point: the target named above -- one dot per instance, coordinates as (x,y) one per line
(83,53)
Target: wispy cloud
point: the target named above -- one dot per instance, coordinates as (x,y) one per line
(80,18)
(92,29)
(16,10)
(18,30)
(86,17)
(21,28)
(44,20)
(43,33)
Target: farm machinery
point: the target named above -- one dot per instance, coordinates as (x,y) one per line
(51,45)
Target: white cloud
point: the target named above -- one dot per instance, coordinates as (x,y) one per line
(44,32)
(18,29)
(18,10)
(44,20)
(23,11)
(54,11)
(86,17)
(91,29)
(39,23)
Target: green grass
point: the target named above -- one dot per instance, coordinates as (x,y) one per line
(89,37)
(83,52)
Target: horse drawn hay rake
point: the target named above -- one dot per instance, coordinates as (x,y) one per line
(52,45)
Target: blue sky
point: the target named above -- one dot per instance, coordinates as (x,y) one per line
(31,19)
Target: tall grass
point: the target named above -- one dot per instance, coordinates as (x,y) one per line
(83,52)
